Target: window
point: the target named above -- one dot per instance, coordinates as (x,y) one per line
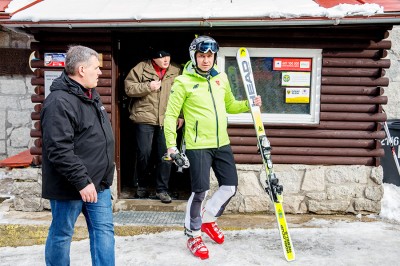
(288,80)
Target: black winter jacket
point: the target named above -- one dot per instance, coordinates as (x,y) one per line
(78,143)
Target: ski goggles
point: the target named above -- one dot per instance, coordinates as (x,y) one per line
(204,47)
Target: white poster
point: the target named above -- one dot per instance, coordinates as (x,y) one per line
(297,95)
(49,76)
(299,79)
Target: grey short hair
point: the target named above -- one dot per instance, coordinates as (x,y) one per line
(78,54)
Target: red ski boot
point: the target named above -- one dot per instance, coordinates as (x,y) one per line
(197,247)
(213,231)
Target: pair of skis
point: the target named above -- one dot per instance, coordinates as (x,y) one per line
(272,186)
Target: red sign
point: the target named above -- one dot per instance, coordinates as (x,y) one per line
(299,64)
(54,59)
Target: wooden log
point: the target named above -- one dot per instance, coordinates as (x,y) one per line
(312,44)
(37,81)
(351,72)
(309,142)
(104,82)
(355,117)
(36,133)
(36,125)
(38,143)
(39,72)
(305,33)
(106,56)
(307,133)
(35,150)
(35,116)
(74,38)
(106,99)
(357,81)
(345,125)
(107,65)
(37,107)
(309,160)
(355,99)
(39,90)
(106,73)
(104,91)
(351,90)
(312,151)
(352,108)
(62,48)
(37,98)
(355,62)
(373,54)
(108,108)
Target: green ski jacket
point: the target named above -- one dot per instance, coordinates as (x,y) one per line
(205,102)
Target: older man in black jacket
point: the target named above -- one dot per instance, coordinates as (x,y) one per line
(78,160)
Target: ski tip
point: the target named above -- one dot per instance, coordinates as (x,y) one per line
(242,52)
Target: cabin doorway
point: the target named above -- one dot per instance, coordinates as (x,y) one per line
(133,47)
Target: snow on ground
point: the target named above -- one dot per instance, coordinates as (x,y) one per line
(339,243)
(317,242)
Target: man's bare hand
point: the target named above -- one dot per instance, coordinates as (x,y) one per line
(258,101)
(155,85)
(179,123)
(89,193)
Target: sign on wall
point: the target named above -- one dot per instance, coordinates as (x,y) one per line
(54,59)
(293,64)
(49,77)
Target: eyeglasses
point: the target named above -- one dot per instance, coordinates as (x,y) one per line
(204,47)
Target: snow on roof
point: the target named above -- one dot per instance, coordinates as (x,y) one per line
(106,10)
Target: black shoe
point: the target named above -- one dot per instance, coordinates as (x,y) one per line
(142,192)
(164,197)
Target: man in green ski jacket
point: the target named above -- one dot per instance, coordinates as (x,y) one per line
(204,96)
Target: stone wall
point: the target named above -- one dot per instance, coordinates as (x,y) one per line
(15,102)
(307,189)
(24,188)
(311,189)
(393,90)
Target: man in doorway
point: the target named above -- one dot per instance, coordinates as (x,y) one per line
(149,84)
(78,160)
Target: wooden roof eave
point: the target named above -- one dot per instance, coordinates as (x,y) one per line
(389,18)
(4,16)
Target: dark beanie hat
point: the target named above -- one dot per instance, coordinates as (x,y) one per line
(159,54)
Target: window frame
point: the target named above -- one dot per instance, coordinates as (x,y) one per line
(315,88)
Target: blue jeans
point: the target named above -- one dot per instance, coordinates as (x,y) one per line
(99,220)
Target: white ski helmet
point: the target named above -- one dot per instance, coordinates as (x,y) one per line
(202,44)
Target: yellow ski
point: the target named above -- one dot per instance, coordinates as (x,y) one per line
(271,185)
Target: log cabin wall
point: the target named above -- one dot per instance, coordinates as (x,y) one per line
(353,69)
(353,72)
(58,42)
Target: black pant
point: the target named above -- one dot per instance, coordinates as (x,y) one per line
(147,137)
(219,159)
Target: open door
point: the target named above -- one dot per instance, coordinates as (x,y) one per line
(133,47)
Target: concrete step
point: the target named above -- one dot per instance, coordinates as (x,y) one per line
(149,205)
(25,228)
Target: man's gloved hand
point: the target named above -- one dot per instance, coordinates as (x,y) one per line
(180,160)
